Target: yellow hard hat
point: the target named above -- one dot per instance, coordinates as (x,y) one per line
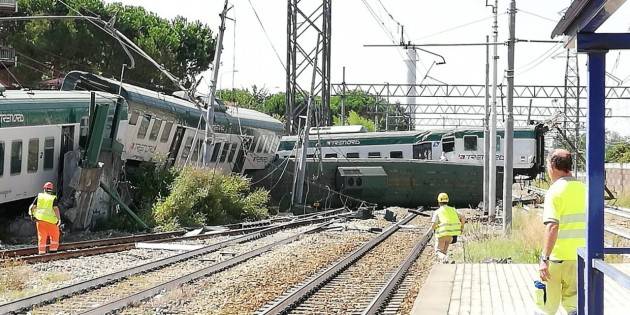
(442,197)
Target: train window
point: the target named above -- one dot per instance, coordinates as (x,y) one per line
(359,181)
(374,154)
(470,143)
(195,156)
(16,157)
(448,144)
(144,126)
(83,127)
(261,144)
(351,181)
(1,158)
(232,153)
(498,143)
(166,133)
(331,156)
(224,152)
(33,155)
(215,152)
(310,156)
(187,146)
(352,155)
(133,119)
(155,129)
(49,153)
(396,154)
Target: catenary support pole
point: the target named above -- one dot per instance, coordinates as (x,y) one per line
(213,88)
(509,127)
(343,96)
(492,166)
(411,80)
(486,132)
(595,132)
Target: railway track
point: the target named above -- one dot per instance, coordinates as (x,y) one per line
(96,295)
(364,281)
(118,244)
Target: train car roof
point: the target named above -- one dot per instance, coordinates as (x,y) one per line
(366,135)
(136,94)
(36,96)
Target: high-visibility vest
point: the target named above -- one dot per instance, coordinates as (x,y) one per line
(44,209)
(569,199)
(449,224)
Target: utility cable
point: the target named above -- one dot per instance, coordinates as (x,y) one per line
(267,35)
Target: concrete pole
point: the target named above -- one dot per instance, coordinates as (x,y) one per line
(509,127)
(411,80)
(343,97)
(492,172)
(486,132)
(213,89)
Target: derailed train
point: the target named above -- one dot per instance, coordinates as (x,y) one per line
(39,128)
(400,168)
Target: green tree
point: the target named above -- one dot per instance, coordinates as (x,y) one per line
(618,153)
(50,48)
(355,119)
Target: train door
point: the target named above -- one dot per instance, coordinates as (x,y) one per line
(67,145)
(175,145)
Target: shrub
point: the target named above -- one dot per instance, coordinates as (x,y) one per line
(200,196)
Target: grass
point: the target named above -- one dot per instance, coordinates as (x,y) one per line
(522,246)
(54,277)
(622,200)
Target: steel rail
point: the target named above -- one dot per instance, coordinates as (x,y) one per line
(383,296)
(41,298)
(216,268)
(292,300)
(619,231)
(32,250)
(118,244)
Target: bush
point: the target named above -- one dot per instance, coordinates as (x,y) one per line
(200,196)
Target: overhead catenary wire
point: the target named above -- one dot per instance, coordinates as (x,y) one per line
(267,35)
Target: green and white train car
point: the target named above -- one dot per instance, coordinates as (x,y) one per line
(168,126)
(37,128)
(460,146)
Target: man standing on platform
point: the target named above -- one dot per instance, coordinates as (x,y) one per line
(448,224)
(45,212)
(564,217)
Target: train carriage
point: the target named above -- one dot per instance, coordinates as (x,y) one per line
(169,126)
(37,128)
(460,146)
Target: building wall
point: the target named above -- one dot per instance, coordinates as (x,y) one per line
(618,177)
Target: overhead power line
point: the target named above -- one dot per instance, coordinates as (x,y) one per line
(267,35)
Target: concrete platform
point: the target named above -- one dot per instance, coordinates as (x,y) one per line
(496,289)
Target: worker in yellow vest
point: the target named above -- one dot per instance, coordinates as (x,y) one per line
(448,224)
(45,212)
(564,217)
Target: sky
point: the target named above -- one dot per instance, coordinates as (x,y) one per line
(248,55)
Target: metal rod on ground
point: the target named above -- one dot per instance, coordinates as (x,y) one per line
(213,88)
(492,175)
(486,133)
(509,127)
(114,195)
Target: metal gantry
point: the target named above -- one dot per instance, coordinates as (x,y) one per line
(470,90)
(460,105)
(308,27)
